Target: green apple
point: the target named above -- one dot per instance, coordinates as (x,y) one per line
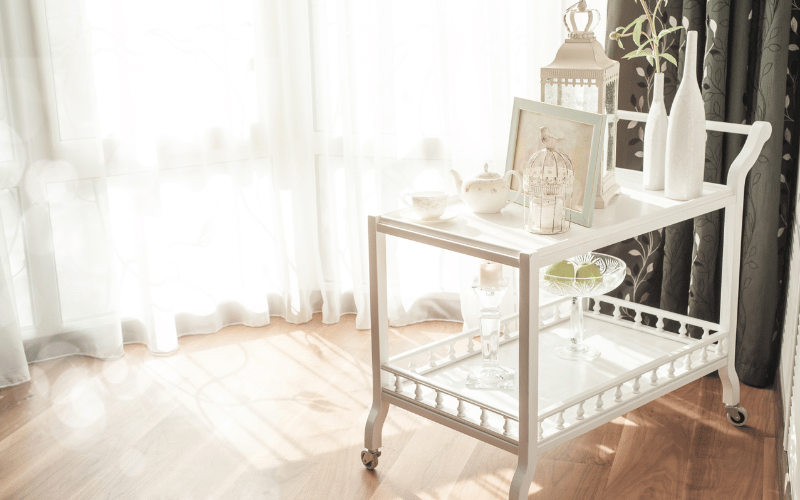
(561,272)
(591,271)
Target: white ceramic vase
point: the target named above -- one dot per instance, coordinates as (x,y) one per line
(655,138)
(686,133)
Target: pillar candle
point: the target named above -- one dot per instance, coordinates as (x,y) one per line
(548,214)
(491,274)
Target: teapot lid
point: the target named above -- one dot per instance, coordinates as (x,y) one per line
(486,175)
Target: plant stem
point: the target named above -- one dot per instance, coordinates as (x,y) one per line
(653,41)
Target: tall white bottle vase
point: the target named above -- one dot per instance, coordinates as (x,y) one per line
(686,133)
(655,138)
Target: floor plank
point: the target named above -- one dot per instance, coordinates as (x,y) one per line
(651,452)
(772,478)
(278,413)
(556,479)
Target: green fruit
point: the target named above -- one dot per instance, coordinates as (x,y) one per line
(590,272)
(561,272)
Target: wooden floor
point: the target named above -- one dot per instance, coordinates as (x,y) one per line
(278,413)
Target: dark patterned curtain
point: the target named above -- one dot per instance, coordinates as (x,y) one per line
(748,71)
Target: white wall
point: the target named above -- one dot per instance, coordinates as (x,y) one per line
(787,370)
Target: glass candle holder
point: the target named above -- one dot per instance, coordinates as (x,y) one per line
(489,374)
(546,209)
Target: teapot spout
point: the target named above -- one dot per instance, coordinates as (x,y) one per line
(458,180)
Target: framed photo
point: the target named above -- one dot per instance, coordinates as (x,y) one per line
(578,134)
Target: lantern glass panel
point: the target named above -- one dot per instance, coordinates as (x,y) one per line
(551,94)
(581,96)
(611,128)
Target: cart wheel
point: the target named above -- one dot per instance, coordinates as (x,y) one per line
(370,458)
(737,415)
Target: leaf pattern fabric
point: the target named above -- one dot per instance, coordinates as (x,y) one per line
(748,46)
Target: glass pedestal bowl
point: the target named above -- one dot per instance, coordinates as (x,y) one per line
(612,272)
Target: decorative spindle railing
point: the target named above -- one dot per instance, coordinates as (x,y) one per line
(410,386)
(708,328)
(631,385)
(456,347)
(410,383)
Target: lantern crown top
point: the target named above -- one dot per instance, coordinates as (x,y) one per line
(581,51)
(592,18)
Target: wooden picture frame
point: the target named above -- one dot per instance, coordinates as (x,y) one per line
(581,132)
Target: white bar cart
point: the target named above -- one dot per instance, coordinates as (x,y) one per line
(556,400)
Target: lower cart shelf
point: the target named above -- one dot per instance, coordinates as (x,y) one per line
(638,363)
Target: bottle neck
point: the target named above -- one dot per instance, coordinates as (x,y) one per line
(658,87)
(690,57)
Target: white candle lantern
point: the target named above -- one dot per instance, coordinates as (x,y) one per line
(582,77)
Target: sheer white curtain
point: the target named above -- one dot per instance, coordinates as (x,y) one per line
(171,167)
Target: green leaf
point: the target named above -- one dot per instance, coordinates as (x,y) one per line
(623,31)
(638,53)
(669,58)
(637,20)
(637,34)
(647,42)
(667,31)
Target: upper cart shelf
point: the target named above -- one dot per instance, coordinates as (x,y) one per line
(501,238)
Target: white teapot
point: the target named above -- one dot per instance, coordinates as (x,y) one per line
(485,192)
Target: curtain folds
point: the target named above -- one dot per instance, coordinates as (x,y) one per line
(748,71)
(214,163)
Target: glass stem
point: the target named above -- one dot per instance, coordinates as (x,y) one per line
(490,336)
(576,324)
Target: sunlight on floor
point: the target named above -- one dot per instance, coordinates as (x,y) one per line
(234,391)
(605,449)
(78,403)
(279,413)
(624,421)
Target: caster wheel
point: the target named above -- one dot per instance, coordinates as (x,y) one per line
(370,458)
(737,415)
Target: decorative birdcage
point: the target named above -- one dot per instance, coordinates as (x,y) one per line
(547,182)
